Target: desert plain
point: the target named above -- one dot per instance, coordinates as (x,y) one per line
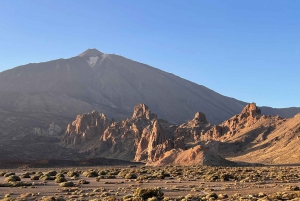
(151,183)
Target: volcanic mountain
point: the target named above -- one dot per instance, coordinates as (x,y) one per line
(34,95)
(61,89)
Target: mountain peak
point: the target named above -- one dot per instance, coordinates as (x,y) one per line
(90,53)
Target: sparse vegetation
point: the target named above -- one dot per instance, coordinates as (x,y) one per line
(190,183)
(12,178)
(67,184)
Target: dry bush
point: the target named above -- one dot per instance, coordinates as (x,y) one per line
(73,173)
(12,178)
(146,193)
(90,173)
(82,181)
(130,176)
(60,179)
(67,184)
(35,177)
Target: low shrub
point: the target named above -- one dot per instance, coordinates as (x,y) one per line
(82,181)
(25,175)
(51,173)
(72,174)
(60,179)
(47,177)
(130,176)
(12,178)
(146,193)
(67,184)
(35,177)
(90,174)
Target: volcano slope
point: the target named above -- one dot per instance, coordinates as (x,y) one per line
(58,90)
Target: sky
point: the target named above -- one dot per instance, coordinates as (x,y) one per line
(248,50)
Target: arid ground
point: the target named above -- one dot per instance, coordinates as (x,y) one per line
(175,182)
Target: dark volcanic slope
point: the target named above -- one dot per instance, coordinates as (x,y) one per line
(59,90)
(111,84)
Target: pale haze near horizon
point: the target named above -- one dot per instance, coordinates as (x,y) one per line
(248,50)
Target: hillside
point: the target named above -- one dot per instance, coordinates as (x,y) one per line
(111,84)
(108,83)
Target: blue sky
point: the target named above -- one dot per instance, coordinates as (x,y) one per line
(249,49)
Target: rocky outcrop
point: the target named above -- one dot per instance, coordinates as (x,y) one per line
(271,140)
(121,139)
(151,137)
(142,137)
(193,129)
(156,152)
(142,111)
(250,113)
(85,127)
(249,116)
(153,144)
(254,138)
(246,137)
(204,154)
(94,135)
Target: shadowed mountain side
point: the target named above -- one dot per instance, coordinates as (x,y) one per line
(113,85)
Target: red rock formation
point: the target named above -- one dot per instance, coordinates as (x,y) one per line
(156,152)
(248,136)
(85,127)
(193,129)
(153,144)
(249,116)
(151,137)
(142,111)
(94,135)
(199,155)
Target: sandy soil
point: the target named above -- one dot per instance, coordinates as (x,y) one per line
(170,186)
